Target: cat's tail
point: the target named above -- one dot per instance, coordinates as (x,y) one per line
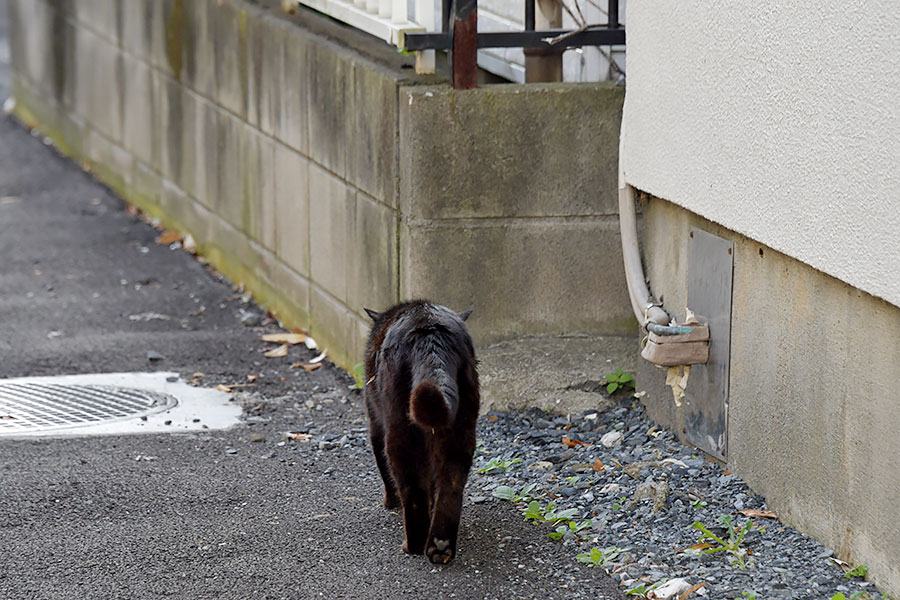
(434,400)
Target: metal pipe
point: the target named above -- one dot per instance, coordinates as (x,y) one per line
(646,309)
(613,13)
(529,15)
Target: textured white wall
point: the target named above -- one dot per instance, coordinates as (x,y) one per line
(780,121)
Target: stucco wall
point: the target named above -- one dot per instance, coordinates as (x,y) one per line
(778,121)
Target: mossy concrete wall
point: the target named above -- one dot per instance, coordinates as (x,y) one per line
(814,390)
(310,163)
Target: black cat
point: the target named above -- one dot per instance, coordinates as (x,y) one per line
(422,398)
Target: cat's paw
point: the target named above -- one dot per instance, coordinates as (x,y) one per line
(440,552)
(391,501)
(414,549)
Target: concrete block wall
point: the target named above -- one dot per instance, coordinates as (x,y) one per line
(813,393)
(311,164)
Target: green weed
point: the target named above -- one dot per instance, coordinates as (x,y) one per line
(619,381)
(731,545)
(598,557)
(498,463)
(642,590)
(359,377)
(858,571)
(571,526)
(504,492)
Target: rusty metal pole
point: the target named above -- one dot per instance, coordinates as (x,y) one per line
(464,44)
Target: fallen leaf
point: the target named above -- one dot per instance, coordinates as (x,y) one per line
(726,472)
(753,513)
(700,546)
(598,466)
(691,590)
(297,436)
(307,366)
(251,378)
(572,443)
(278,352)
(198,374)
(319,358)
(168,238)
(492,417)
(223,388)
(311,343)
(189,244)
(284,338)
(7,417)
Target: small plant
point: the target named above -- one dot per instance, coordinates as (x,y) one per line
(504,492)
(535,512)
(571,526)
(858,571)
(620,504)
(642,590)
(732,545)
(359,377)
(498,463)
(597,557)
(698,503)
(619,381)
(853,596)
(748,595)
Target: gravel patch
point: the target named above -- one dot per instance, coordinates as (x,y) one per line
(642,491)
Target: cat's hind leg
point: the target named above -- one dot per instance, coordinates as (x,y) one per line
(408,469)
(441,543)
(376,436)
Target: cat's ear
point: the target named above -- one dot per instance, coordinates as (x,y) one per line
(464,315)
(372,314)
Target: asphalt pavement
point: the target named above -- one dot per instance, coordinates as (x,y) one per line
(240,513)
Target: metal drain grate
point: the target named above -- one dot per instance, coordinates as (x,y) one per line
(33,406)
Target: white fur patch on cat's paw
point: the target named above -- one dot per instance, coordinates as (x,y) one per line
(439,551)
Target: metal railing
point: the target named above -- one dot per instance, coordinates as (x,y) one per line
(457,32)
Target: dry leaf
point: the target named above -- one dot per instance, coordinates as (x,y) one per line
(598,466)
(168,238)
(311,343)
(223,388)
(278,352)
(251,378)
(284,338)
(753,513)
(307,366)
(7,417)
(700,546)
(297,436)
(198,374)
(691,590)
(319,358)
(572,443)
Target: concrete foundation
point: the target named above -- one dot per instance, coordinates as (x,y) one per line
(310,164)
(814,390)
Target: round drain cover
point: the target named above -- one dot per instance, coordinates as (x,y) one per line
(36,407)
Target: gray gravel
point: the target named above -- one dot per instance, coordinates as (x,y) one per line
(619,499)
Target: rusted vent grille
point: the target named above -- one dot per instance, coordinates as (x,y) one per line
(31,406)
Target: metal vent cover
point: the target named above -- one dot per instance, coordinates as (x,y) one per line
(26,407)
